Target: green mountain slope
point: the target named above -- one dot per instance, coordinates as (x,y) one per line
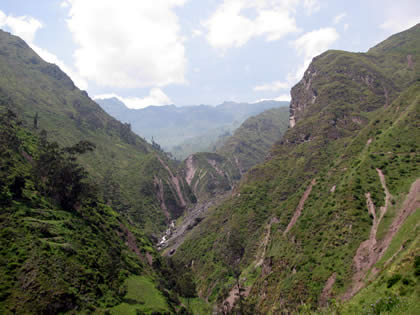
(213,176)
(250,143)
(135,178)
(62,249)
(209,174)
(309,225)
(189,129)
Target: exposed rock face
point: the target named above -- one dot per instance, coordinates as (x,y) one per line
(354,71)
(303,94)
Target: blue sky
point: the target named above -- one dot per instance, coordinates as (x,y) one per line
(190,52)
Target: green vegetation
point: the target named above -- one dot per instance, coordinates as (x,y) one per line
(354,113)
(62,249)
(60,246)
(141,297)
(251,142)
(124,166)
(305,231)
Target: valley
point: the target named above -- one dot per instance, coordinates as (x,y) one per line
(256,208)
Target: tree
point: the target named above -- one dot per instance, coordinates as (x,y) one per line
(59,175)
(36,121)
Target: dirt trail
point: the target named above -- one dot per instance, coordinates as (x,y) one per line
(234,295)
(388,195)
(411,203)
(191,169)
(326,292)
(367,255)
(371,251)
(260,258)
(299,208)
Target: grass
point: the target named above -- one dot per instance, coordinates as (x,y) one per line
(197,306)
(142,296)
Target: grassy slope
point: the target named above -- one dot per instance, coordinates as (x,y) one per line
(123,164)
(253,139)
(328,144)
(142,296)
(60,261)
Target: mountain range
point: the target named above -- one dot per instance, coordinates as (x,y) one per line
(188,129)
(310,209)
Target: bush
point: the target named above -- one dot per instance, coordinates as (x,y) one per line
(417,266)
(393,280)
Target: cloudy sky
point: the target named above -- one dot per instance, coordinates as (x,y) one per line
(190,52)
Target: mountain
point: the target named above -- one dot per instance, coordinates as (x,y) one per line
(251,142)
(212,176)
(186,130)
(62,249)
(209,174)
(133,177)
(335,207)
(80,197)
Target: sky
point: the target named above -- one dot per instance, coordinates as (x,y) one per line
(191,52)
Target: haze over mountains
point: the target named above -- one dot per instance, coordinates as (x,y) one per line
(319,215)
(188,129)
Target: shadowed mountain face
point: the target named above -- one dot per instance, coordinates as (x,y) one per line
(132,176)
(315,221)
(186,130)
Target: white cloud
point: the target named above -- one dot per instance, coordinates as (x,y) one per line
(400,15)
(64,4)
(197,33)
(156,97)
(281,98)
(311,6)
(126,43)
(23,26)
(229,27)
(312,44)
(339,17)
(26,28)
(80,82)
(273,86)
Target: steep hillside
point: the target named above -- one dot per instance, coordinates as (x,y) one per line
(133,177)
(62,249)
(250,143)
(209,174)
(213,176)
(186,130)
(312,223)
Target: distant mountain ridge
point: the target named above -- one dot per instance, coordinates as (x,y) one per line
(188,129)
